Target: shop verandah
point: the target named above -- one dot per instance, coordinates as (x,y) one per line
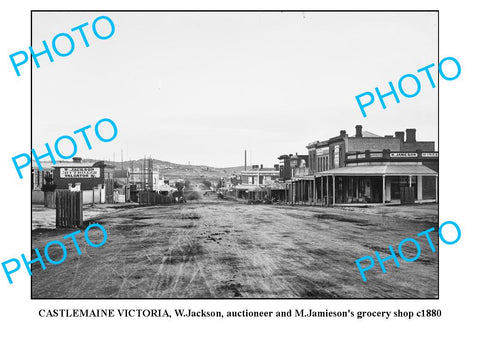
(246,192)
(301,190)
(369,184)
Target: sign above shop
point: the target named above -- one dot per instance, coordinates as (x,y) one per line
(79,172)
(403,154)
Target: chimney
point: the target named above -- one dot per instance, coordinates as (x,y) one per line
(77,159)
(245,168)
(255,167)
(343,133)
(276,167)
(411,135)
(400,135)
(358,134)
(261,166)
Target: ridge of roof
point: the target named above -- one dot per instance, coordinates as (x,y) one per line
(369,134)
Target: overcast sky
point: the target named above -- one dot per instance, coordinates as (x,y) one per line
(203,87)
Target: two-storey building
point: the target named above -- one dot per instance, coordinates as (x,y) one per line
(368,168)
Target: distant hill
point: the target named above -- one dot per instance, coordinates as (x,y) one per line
(194,173)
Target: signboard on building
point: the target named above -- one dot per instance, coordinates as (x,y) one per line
(79,172)
(322,151)
(336,156)
(403,154)
(429,154)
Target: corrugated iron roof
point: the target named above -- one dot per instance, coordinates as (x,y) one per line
(379,170)
(246,186)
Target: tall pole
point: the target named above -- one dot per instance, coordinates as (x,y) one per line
(245,167)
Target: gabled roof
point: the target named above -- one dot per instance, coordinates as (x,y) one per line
(369,134)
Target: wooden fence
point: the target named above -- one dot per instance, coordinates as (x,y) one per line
(69,209)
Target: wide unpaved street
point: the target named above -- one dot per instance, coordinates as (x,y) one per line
(222,249)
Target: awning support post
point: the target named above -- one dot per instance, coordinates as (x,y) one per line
(333,193)
(383,187)
(321,190)
(328,194)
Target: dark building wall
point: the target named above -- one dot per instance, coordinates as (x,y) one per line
(393,144)
(286,168)
(411,143)
(312,160)
(414,146)
(373,143)
(285,172)
(433,164)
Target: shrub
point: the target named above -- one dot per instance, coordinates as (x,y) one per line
(192,195)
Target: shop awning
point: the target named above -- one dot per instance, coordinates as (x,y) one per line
(380,170)
(247,187)
(303,178)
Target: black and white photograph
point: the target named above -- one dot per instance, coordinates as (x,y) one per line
(239,170)
(235,155)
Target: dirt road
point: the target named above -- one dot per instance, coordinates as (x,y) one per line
(221,249)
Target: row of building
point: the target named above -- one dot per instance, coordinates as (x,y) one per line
(358,169)
(99,181)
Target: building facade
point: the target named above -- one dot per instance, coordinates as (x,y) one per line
(293,165)
(368,168)
(92,178)
(258,175)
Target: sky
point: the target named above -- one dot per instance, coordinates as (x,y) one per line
(200,87)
